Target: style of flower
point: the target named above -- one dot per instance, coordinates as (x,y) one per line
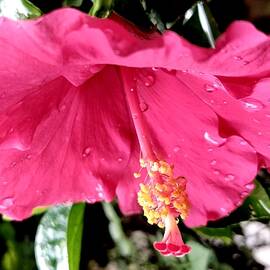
(85,103)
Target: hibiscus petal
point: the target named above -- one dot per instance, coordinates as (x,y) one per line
(78,151)
(63,116)
(247,116)
(241,50)
(218,166)
(122,44)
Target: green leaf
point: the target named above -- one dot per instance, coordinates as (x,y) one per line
(51,239)
(73,3)
(74,235)
(153,16)
(7,231)
(199,257)
(32,10)
(19,9)
(19,256)
(259,201)
(223,234)
(203,258)
(198,25)
(123,244)
(101,8)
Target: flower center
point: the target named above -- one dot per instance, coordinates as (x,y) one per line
(162,194)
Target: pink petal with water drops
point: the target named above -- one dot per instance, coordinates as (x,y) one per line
(78,152)
(247,115)
(57,102)
(190,140)
(242,50)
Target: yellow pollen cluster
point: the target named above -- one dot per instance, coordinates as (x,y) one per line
(162,194)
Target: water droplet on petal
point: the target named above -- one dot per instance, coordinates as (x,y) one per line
(143,106)
(28,156)
(11,130)
(95,68)
(212,87)
(176,148)
(213,139)
(185,71)
(216,172)
(244,194)
(119,159)
(252,105)
(13,164)
(216,85)
(6,203)
(213,162)
(90,200)
(249,186)
(131,89)
(209,88)
(99,190)
(62,107)
(259,133)
(243,142)
(149,80)
(134,115)
(238,58)
(155,68)
(229,177)
(245,63)
(223,210)
(210,150)
(87,151)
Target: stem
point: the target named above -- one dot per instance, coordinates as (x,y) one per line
(139,122)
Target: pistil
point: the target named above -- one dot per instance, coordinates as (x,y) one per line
(162,196)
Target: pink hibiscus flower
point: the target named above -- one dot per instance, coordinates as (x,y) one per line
(85,103)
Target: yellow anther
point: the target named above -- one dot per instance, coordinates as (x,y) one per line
(137,175)
(177,205)
(165,168)
(176,194)
(159,187)
(154,167)
(183,216)
(144,188)
(143,163)
(161,225)
(167,201)
(163,194)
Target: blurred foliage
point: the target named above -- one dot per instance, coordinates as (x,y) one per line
(17,246)
(19,9)
(51,239)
